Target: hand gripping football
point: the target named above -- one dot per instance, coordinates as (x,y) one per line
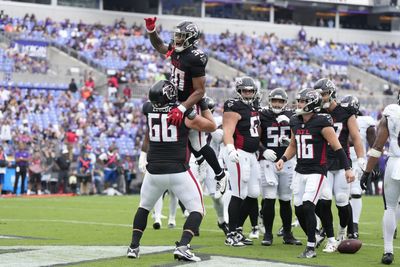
(349,246)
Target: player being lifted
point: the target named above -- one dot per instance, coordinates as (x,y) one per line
(169,171)
(310,134)
(275,137)
(388,128)
(366,125)
(345,124)
(188,76)
(241,138)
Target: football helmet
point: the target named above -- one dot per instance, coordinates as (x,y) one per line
(248,84)
(352,103)
(277,93)
(210,103)
(186,34)
(313,101)
(325,85)
(162,93)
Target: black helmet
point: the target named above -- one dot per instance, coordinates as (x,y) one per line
(277,93)
(352,103)
(246,83)
(325,85)
(313,101)
(162,93)
(186,34)
(210,103)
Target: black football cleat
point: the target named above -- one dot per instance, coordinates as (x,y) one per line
(289,239)
(224,227)
(387,258)
(133,253)
(308,253)
(267,240)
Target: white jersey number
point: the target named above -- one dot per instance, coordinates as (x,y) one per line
(254,123)
(178,78)
(274,134)
(304,150)
(161,132)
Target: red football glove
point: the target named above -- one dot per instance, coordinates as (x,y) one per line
(150,24)
(175,115)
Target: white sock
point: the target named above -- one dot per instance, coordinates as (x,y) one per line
(219,209)
(158,209)
(389,226)
(398,213)
(173,204)
(356,205)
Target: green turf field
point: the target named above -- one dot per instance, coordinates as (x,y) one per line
(65,222)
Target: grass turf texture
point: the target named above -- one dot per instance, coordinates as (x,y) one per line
(101,220)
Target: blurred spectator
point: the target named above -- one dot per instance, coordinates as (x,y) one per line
(49,180)
(110,160)
(22,159)
(5,131)
(112,90)
(71,139)
(302,35)
(127,91)
(84,173)
(72,87)
(3,167)
(129,172)
(89,82)
(63,162)
(35,173)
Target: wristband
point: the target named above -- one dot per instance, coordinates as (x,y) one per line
(374,153)
(182,108)
(284,158)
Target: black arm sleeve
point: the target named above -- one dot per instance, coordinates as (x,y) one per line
(344,161)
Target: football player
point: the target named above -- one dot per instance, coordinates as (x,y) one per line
(310,134)
(241,139)
(275,137)
(345,124)
(188,76)
(169,171)
(388,128)
(366,125)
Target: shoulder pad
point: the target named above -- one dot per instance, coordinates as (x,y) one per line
(147,107)
(368,120)
(392,110)
(325,117)
(232,105)
(349,109)
(198,58)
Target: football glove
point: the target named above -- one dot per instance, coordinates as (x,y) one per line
(175,115)
(282,119)
(232,153)
(142,161)
(364,180)
(284,140)
(217,136)
(361,163)
(269,154)
(150,24)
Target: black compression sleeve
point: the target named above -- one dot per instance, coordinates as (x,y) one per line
(344,161)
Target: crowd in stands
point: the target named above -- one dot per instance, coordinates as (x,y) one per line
(52,123)
(274,61)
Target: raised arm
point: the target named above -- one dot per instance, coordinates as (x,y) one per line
(155,39)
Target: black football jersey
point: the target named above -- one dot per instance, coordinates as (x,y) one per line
(340,116)
(246,133)
(168,151)
(311,146)
(272,130)
(186,65)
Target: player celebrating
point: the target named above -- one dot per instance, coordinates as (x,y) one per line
(388,127)
(241,138)
(345,124)
(169,171)
(310,135)
(366,125)
(275,138)
(188,76)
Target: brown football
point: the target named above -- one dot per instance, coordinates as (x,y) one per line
(349,246)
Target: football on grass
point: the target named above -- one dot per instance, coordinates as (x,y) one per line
(349,246)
